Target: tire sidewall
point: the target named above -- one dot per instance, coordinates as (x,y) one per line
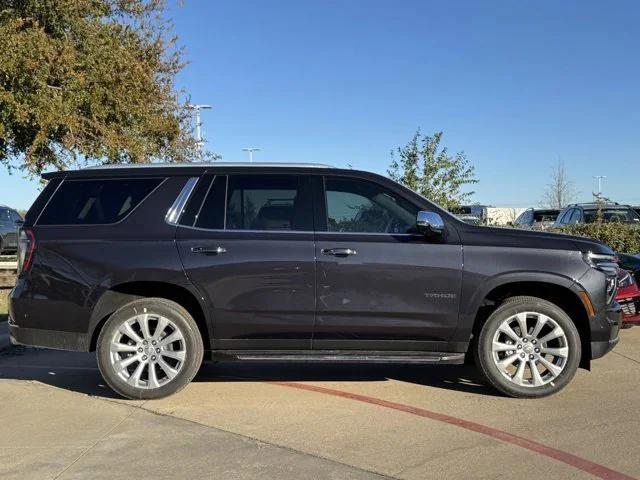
(182,320)
(484,354)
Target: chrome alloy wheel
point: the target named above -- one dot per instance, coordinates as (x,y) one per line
(147,351)
(530,349)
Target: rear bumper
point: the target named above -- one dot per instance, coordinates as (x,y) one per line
(33,337)
(614,322)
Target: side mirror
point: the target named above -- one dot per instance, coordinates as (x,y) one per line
(19,223)
(430,223)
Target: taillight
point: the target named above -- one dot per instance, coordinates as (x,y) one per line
(26,249)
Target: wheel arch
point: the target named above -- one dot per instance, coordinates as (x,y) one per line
(559,293)
(121,294)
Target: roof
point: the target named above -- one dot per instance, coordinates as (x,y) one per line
(212,164)
(598,205)
(179,168)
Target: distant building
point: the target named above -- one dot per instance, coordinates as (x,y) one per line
(488,215)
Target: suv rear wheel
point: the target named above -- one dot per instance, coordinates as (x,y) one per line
(150,348)
(528,348)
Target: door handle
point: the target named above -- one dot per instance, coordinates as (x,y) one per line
(338,252)
(208,251)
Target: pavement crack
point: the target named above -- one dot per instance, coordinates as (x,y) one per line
(86,450)
(624,356)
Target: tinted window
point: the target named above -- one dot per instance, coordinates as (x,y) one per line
(621,215)
(15,216)
(545,216)
(360,206)
(211,213)
(268,202)
(575,216)
(192,208)
(88,202)
(564,218)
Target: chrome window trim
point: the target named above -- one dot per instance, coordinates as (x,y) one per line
(317,232)
(174,212)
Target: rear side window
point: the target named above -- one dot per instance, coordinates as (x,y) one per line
(96,202)
(268,202)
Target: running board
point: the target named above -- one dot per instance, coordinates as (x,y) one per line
(341,357)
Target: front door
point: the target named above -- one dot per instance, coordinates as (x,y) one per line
(380,284)
(246,242)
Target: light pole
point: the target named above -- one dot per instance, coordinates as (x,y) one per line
(599,178)
(251,150)
(199,140)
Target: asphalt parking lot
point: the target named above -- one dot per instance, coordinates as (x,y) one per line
(316,421)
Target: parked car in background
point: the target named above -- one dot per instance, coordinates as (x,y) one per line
(537,218)
(157,267)
(629,288)
(637,209)
(588,213)
(10,221)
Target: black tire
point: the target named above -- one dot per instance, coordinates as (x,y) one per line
(182,320)
(509,308)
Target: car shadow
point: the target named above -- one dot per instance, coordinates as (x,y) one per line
(78,372)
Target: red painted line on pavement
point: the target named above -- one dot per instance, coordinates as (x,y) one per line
(587,466)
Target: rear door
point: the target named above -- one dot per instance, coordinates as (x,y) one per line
(246,242)
(381,285)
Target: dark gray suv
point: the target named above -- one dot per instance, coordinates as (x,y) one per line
(157,267)
(10,220)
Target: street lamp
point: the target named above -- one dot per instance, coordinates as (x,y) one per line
(251,150)
(599,178)
(199,140)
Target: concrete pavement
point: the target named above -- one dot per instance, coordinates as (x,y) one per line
(246,421)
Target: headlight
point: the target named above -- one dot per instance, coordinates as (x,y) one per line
(624,279)
(607,265)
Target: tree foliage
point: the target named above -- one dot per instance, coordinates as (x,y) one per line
(560,190)
(87,81)
(621,237)
(427,168)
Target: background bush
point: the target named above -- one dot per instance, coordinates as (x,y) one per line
(621,237)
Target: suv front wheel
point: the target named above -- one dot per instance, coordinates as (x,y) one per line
(528,348)
(150,348)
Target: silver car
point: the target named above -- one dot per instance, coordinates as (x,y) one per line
(10,221)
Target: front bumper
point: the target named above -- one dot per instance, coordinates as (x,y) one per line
(614,321)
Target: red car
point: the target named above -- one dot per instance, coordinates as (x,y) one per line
(629,298)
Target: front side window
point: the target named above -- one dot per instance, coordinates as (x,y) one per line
(360,206)
(566,215)
(575,217)
(96,202)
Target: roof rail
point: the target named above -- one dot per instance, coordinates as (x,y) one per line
(209,164)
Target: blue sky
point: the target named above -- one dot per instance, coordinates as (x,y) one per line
(516,85)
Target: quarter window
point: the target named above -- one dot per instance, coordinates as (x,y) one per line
(95,202)
(365,207)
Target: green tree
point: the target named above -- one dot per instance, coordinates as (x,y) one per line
(427,168)
(89,81)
